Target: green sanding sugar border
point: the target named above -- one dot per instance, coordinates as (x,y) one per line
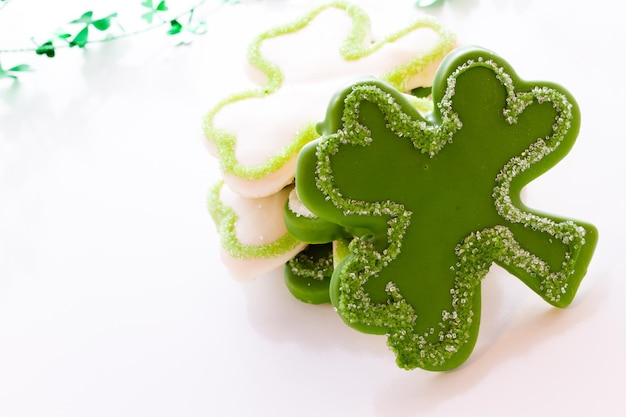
(226,218)
(306,266)
(475,253)
(352,48)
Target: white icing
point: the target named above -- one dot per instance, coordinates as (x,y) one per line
(296,206)
(265,186)
(248,269)
(260,220)
(313,71)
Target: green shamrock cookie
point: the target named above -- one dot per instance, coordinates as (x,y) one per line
(430,203)
(307,275)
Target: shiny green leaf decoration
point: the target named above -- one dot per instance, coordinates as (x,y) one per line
(82,37)
(13,71)
(175,27)
(149,16)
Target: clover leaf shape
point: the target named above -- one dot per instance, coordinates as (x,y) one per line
(254,238)
(278,118)
(431,203)
(258,133)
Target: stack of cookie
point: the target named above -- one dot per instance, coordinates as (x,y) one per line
(385,175)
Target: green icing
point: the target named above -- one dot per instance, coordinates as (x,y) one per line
(432,202)
(352,48)
(308,274)
(225,219)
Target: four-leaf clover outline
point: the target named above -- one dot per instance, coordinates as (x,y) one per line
(479,100)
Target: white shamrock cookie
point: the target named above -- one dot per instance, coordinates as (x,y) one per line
(257,134)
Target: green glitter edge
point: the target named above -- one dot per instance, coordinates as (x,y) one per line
(351,48)
(308,274)
(396,318)
(225,219)
(306,266)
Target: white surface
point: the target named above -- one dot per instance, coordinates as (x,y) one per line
(113,301)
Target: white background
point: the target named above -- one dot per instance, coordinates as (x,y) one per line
(113,300)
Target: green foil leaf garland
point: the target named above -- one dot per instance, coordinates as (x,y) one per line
(154,10)
(13,72)
(65,37)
